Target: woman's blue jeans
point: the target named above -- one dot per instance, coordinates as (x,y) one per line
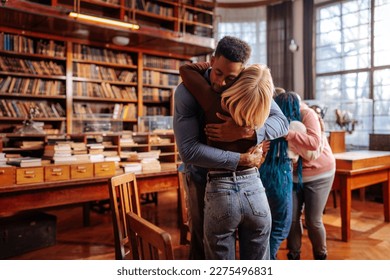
(236,203)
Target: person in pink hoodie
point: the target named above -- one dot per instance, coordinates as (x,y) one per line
(312,183)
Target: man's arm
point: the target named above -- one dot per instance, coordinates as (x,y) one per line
(187,127)
(274,127)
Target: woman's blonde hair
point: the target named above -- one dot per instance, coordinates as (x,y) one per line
(249,99)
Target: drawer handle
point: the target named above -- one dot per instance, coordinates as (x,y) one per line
(81,168)
(104,169)
(29,172)
(81,171)
(29,176)
(104,166)
(56,174)
(2,172)
(56,170)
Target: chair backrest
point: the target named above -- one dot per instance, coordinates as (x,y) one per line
(123,198)
(148,241)
(184,219)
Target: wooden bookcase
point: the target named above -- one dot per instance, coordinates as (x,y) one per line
(32,73)
(81,83)
(77,79)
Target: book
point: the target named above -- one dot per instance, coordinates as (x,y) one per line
(25,161)
(132,167)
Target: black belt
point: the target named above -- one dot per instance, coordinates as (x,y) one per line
(219,174)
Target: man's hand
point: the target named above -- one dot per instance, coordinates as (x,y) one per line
(228,131)
(252,158)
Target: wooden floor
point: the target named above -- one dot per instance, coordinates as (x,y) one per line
(370,236)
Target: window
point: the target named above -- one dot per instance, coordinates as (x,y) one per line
(353,65)
(248,24)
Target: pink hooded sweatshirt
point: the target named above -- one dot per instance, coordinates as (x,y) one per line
(325,164)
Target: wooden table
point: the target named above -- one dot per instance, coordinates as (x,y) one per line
(357,170)
(23,197)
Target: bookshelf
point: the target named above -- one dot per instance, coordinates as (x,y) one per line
(83,78)
(160,76)
(104,81)
(32,74)
(193,17)
(72,83)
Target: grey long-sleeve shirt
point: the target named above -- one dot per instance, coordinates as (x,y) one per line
(188,127)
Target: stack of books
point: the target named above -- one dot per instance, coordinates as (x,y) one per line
(133,167)
(59,152)
(150,164)
(25,161)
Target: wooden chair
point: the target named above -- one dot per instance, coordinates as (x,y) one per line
(185,233)
(123,199)
(148,241)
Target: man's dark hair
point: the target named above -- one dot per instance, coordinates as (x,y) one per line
(233,49)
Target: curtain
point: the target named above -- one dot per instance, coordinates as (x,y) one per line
(279,35)
(308,49)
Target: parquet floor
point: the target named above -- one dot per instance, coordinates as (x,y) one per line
(370,234)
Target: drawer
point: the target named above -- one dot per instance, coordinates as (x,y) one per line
(104,169)
(80,171)
(57,173)
(7,176)
(29,175)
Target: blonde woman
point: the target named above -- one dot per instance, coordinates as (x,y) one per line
(233,200)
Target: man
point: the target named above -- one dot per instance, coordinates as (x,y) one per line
(191,136)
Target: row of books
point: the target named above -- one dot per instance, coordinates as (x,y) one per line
(158,78)
(156,94)
(162,62)
(141,161)
(198,17)
(156,111)
(104,90)
(84,52)
(119,111)
(69,151)
(21,109)
(27,66)
(125,112)
(22,44)
(156,9)
(93,71)
(19,85)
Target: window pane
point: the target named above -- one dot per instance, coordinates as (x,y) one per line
(382,84)
(343,87)
(381,33)
(344,28)
(248,25)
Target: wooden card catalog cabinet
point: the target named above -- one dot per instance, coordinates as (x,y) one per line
(57,173)
(7,176)
(80,171)
(103,169)
(29,175)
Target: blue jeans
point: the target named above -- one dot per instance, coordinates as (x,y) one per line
(280,202)
(236,202)
(195,193)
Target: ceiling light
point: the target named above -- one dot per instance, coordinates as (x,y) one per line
(94,19)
